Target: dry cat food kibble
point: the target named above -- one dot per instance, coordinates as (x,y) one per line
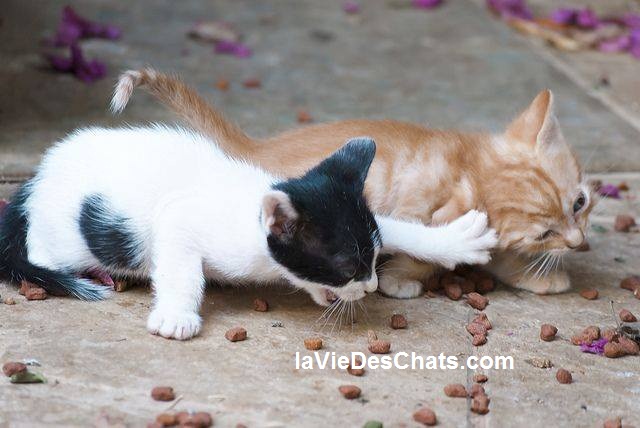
(11,368)
(398,322)
(481,318)
(349,392)
(630,347)
(564,376)
(480,378)
(222,84)
(304,116)
(194,419)
(589,294)
(475,328)
(260,305)
(624,223)
(425,416)
(477,301)
(631,283)
(353,371)
(627,316)
(614,350)
(455,390)
(163,393)
(9,301)
(313,343)
(166,419)
(377,346)
(479,339)
(587,336)
(236,334)
(476,389)
(480,404)
(613,423)
(32,291)
(548,332)
(467,286)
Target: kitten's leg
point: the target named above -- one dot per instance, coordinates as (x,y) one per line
(401,277)
(178,282)
(517,271)
(464,240)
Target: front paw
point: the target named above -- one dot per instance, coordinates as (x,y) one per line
(399,288)
(181,325)
(471,240)
(553,283)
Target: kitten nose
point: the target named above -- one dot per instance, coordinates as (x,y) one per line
(574,238)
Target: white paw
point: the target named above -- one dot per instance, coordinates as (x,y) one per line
(470,240)
(173,324)
(400,288)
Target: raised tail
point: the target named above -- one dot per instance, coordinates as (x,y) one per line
(15,265)
(188,104)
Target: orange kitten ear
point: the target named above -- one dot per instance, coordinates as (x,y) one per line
(537,125)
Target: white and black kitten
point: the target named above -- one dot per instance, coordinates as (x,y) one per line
(165,204)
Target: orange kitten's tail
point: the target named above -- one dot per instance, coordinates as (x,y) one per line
(186,102)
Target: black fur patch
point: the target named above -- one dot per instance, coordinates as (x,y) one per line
(108,234)
(335,235)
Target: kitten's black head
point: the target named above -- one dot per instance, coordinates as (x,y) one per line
(320,227)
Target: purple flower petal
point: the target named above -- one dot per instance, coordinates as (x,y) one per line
(631,20)
(426,4)
(586,18)
(511,9)
(609,191)
(563,16)
(596,347)
(351,7)
(233,48)
(73,27)
(617,44)
(87,71)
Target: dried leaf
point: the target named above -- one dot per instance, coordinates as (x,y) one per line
(28,377)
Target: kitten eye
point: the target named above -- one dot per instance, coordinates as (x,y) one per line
(579,202)
(549,233)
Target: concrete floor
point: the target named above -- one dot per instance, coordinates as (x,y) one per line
(456,66)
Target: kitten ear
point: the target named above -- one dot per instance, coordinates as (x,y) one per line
(278,214)
(352,161)
(537,125)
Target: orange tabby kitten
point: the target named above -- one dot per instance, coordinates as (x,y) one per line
(527,179)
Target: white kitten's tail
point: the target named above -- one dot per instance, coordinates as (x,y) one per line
(187,103)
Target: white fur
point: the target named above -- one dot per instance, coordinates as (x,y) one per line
(197,214)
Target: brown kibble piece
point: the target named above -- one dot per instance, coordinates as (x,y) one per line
(349,391)
(425,416)
(260,305)
(453,291)
(198,420)
(564,376)
(629,346)
(614,350)
(627,316)
(610,334)
(11,368)
(163,393)
(475,328)
(398,321)
(477,301)
(480,404)
(24,286)
(548,332)
(587,336)
(304,116)
(353,371)
(252,83)
(222,84)
(313,343)
(380,346)
(236,334)
(455,390)
(479,339)
(481,318)
(485,285)
(166,419)
(480,378)
(631,283)
(613,423)
(9,301)
(589,294)
(623,186)
(35,293)
(624,223)
(476,389)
